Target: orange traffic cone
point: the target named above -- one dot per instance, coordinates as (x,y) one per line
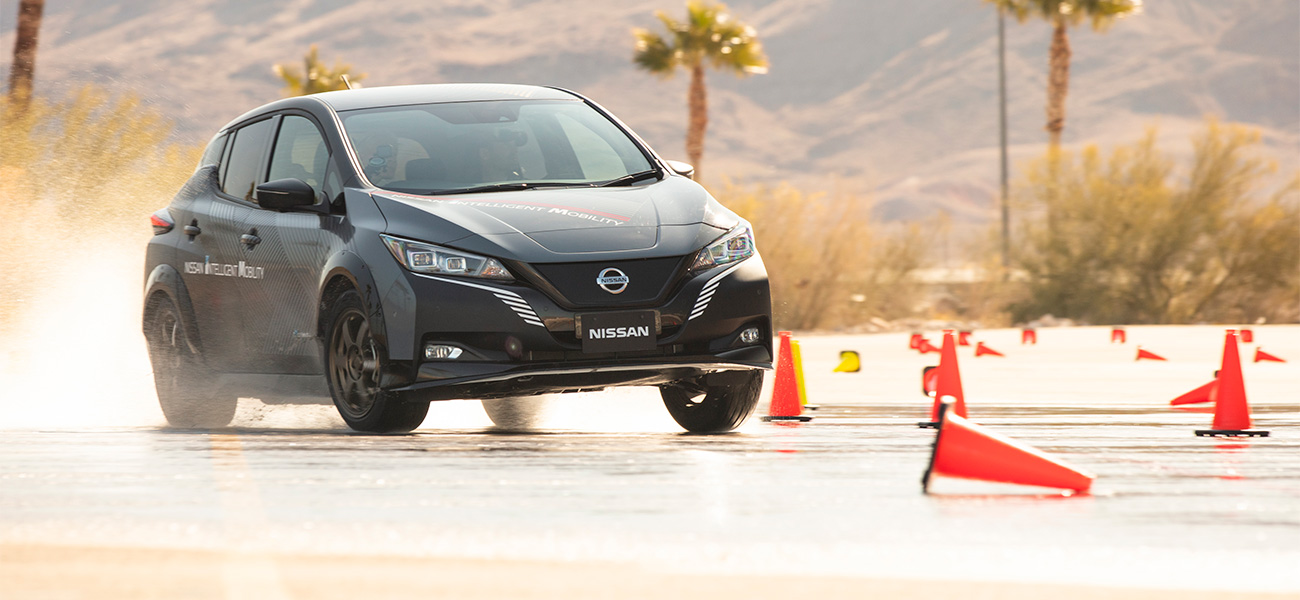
(1028,336)
(1147,355)
(981,350)
(1261,356)
(969,451)
(963,338)
(914,343)
(1231,412)
(1204,393)
(929,380)
(947,383)
(1247,336)
(785,389)
(1117,334)
(925,347)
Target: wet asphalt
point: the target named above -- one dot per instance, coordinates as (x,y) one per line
(609,477)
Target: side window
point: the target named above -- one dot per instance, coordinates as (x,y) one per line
(244,165)
(300,153)
(212,154)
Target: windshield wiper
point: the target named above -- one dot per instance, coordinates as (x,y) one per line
(630,178)
(504,187)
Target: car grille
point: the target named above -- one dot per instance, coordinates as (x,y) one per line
(650,281)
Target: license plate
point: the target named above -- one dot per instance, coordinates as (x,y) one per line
(619,332)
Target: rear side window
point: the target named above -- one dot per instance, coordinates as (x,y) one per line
(300,153)
(244,166)
(212,154)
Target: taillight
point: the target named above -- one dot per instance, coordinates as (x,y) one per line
(161,222)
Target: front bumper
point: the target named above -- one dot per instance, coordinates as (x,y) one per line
(518,341)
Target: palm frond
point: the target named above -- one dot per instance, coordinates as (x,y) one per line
(708,34)
(315,77)
(654,54)
(1101,13)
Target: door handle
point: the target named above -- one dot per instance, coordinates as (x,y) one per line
(192,229)
(250,239)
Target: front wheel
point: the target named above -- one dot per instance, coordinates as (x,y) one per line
(184,384)
(353,363)
(718,407)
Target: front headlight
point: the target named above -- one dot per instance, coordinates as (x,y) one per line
(428,258)
(735,246)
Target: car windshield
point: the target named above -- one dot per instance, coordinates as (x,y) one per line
(479,146)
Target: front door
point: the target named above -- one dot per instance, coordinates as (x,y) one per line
(291,250)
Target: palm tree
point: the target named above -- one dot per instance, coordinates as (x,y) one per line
(708,36)
(1062,14)
(24,66)
(315,77)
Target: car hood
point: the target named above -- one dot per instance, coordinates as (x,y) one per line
(670,217)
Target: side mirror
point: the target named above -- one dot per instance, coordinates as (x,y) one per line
(285,194)
(686,170)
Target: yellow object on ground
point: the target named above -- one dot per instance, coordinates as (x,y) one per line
(849,362)
(798,371)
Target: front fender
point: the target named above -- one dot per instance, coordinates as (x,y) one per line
(348,266)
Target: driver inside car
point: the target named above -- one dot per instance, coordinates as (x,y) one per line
(378,153)
(500,155)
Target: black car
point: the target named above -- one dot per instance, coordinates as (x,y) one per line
(387,247)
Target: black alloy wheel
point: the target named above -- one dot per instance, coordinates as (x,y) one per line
(354,362)
(185,386)
(718,408)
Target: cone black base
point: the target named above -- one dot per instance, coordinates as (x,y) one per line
(1231,433)
(770,418)
(937,426)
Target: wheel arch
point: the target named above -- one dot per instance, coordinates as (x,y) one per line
(165,281)
(342,272)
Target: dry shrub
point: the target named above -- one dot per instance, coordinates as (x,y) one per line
(830,266)
(981,301)
(1130,238)
(75,174)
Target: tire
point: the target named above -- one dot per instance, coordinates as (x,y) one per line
(353,364)
(717,408)
(185,386)
(517,414)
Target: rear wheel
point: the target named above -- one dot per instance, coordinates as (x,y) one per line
(720,405)
(185,386)
(353,363)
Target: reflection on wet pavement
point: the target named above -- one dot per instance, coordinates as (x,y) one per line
(838,495)
(610,478)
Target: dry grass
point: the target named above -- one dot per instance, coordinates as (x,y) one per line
(830,265)
(74,174)
(1133,237)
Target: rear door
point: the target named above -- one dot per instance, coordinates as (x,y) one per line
(280,323)
(211,252)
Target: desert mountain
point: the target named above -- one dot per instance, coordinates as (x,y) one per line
(892,98)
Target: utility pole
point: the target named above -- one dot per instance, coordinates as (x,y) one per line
(1002,130)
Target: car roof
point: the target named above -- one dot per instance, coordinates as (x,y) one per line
(399,95)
